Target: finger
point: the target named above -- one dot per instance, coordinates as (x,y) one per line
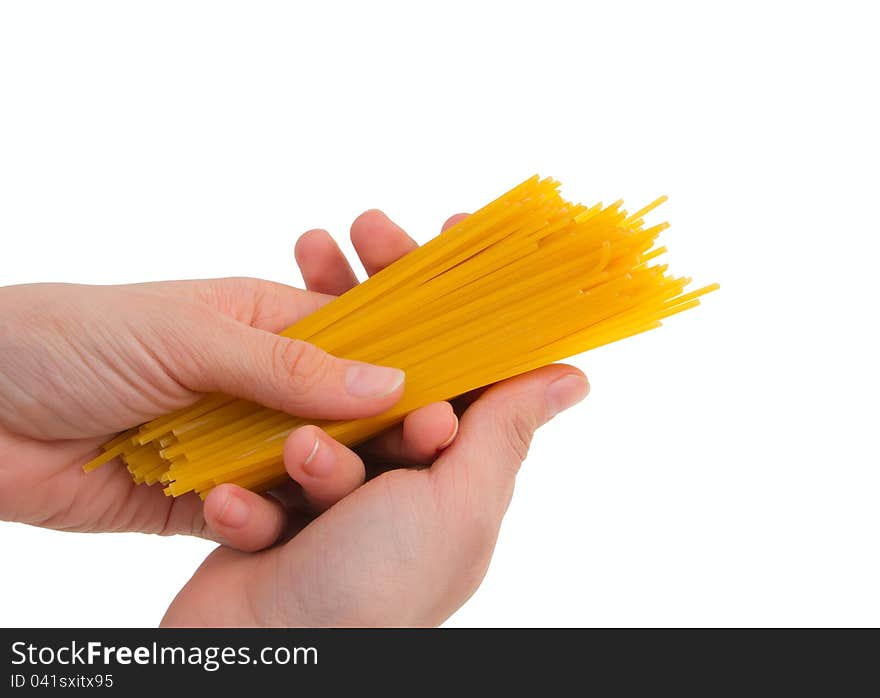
(495,434)
(324,268)
(452,220)
(423,434)
(213,353)
(326,470)
(243,519)
(379,241)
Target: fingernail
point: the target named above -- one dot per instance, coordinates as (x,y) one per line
(366,380)
(451,436)
(234,513)
(565,392)
(320,461)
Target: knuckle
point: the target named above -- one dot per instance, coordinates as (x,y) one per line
(321,277)
(303,366)
(168,342)
(517,434)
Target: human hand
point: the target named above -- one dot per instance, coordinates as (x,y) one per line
(79,363)
(410,545)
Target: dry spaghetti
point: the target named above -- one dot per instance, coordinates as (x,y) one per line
(525,281)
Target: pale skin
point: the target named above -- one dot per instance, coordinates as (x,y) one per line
(331,548)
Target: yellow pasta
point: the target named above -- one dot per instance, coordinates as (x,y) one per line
(525,281)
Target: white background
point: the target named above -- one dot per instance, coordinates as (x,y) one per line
(724,470)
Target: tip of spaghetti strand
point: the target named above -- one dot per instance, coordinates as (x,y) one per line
(104,457)
(647,209)
(92,465)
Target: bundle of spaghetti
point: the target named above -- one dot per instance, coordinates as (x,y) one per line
(525,281)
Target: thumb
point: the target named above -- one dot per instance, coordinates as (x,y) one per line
(480,467)
(284,374)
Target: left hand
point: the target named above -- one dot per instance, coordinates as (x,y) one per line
(79,363)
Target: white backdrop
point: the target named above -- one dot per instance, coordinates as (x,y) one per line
(724,470)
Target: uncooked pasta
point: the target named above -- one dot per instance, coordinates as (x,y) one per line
(525,281)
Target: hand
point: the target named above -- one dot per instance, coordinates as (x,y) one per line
(80,363)
(409,546)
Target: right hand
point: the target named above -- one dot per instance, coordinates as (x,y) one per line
(409,546)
